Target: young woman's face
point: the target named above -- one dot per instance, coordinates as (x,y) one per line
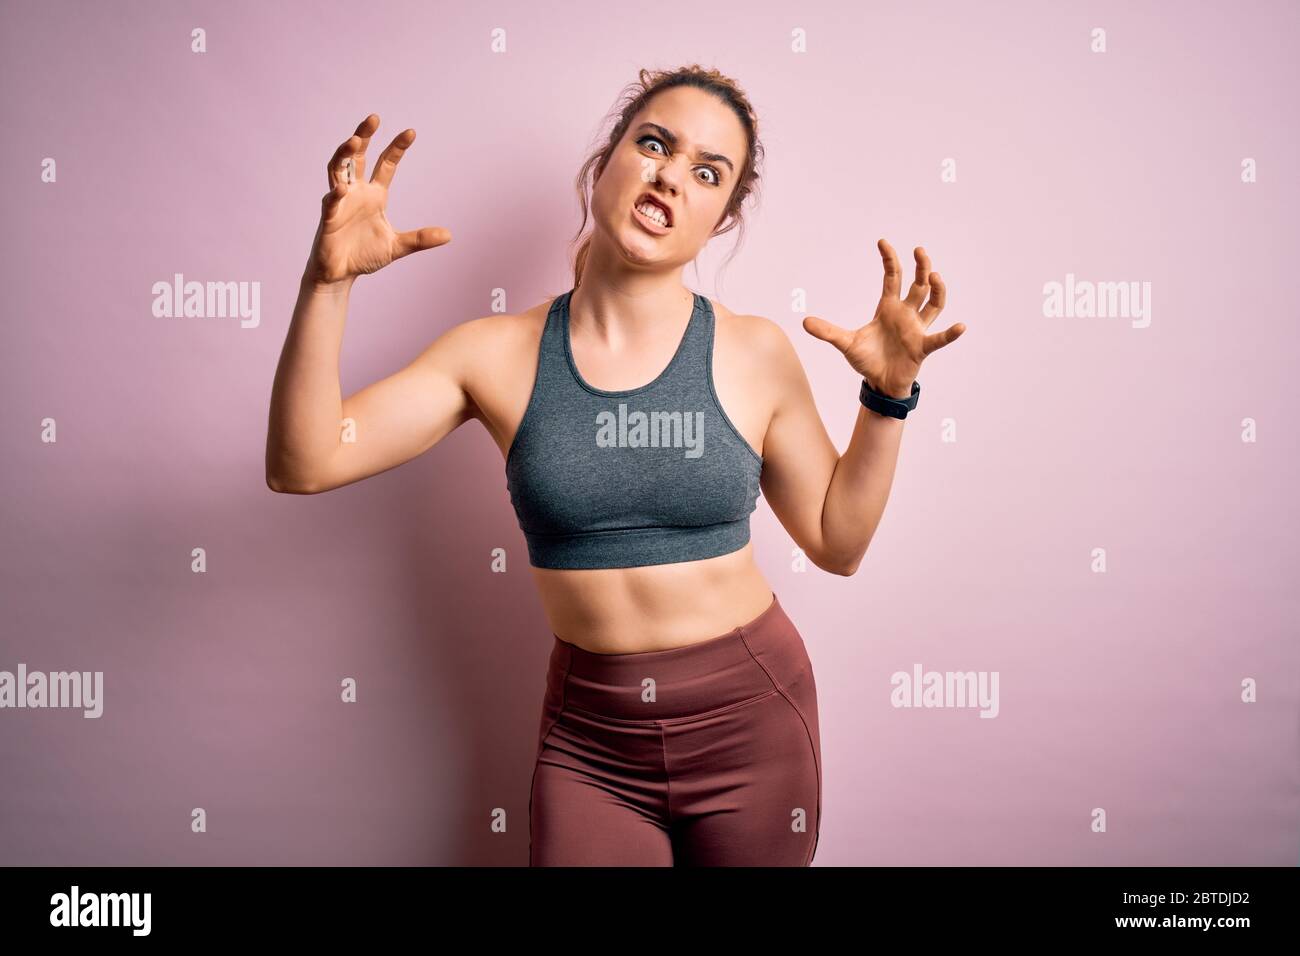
(685,149)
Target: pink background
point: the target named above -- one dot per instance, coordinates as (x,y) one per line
(1118,690)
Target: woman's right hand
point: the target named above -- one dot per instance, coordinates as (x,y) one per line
(354,236)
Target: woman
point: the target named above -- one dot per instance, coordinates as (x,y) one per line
(637,418)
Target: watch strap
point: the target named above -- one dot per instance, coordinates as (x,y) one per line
(885,405)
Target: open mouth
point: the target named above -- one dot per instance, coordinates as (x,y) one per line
(654,210)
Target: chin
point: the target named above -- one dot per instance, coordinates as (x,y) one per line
(634,245)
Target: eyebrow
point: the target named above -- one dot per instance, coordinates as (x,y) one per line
(671,139)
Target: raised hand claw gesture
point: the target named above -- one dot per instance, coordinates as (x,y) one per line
(354,236)
(889,349)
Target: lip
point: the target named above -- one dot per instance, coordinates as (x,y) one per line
(655,200)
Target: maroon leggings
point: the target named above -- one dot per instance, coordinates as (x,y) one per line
(703,755)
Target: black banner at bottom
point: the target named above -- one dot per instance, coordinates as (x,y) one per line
(380,904)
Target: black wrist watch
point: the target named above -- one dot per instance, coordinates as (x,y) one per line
(884,405)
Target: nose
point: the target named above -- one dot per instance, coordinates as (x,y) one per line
(669,175)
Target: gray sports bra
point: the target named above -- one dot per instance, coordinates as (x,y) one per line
(619,479)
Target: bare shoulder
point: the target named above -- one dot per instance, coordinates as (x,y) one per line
(497,358)
(755,371)
(498,331)
(760,342)
(483,349)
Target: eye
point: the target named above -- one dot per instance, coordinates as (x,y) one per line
(717,176)
(654,138)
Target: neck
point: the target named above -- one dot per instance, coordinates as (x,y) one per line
(619,303)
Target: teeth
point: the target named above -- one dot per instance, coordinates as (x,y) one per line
(651,211)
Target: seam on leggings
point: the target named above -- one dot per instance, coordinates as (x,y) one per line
(532,782)
(668,783)
(808,731)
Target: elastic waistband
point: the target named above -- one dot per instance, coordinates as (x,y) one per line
(747,662)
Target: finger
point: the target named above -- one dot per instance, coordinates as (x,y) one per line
(330,202)
(415,240)
(940,339)
(365,130)
(938,298)
(921,286)
(389,158)
(338,170)
(892,271)
(828,332)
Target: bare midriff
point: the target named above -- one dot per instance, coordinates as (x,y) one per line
(655,607)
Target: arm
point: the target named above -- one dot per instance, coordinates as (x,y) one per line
(387,423)
(315,441)
(831,504)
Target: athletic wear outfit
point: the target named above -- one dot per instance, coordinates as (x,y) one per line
(621,479)
(706,754)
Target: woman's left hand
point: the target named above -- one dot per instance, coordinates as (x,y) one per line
(889,349)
